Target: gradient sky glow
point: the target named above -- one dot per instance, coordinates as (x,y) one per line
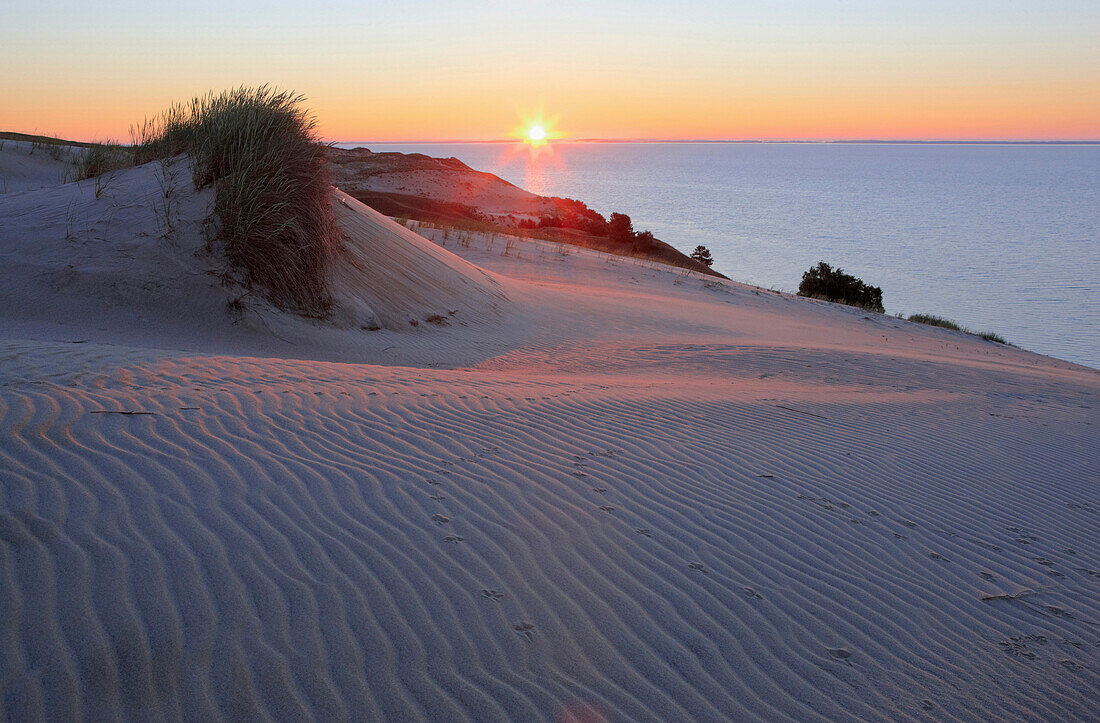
(456,70)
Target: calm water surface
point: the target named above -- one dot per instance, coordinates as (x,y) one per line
(1003,238)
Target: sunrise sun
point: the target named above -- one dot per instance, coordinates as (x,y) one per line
(537,131)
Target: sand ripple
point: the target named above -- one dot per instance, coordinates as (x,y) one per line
(219,537)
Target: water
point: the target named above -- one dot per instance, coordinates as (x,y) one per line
(1004,238)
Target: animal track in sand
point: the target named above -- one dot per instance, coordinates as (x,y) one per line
(1018,646)
(491,594)
(441,519)
(525,629)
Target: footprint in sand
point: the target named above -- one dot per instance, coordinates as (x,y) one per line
(436,498)
(700,567)
(453,539)
(753,594)
(644,532)
(600,490)
(901,536)
(937,556)
(1070,664)
(441,519)
(987,576)
(839,653)
(578,474)
(927,704)
(491,594)
(607,508)
(525,629)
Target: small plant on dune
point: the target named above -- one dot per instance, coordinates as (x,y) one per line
(100,159)
(702,255)
(932,320)
(272,197)
(825,282)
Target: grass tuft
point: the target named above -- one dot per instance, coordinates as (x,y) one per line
(932,320)
(102,158)
(272,196)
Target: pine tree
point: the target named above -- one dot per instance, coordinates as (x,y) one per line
(702,255)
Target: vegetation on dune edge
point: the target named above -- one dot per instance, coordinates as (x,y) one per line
(272,195)
(933,320)
(829,284)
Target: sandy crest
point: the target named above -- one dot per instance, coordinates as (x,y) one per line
(627,492)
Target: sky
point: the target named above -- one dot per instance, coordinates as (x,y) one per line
(456,70)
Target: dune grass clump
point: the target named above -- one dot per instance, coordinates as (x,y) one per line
(99,159)
(272,196)
(933,320)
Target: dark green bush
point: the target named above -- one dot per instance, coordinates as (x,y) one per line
(825,282)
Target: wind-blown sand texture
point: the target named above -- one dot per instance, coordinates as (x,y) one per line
(624,491)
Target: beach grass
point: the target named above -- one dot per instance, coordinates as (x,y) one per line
(933,320)
(258,147)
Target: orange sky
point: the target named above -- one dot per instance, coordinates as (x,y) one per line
(457,71)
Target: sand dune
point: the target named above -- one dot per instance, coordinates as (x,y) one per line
(397,275)
(624,492)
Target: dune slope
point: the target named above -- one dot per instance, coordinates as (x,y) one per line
(634,494)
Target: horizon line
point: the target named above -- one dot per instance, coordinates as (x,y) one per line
(885,141)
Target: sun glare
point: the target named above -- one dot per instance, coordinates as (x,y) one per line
(537,131)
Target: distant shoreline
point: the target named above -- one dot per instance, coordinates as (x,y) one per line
(643,141)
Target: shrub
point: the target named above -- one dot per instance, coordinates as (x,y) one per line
(258,148)
(932,320)
(825,282)
(702,255)
(990,336)
(620,229)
